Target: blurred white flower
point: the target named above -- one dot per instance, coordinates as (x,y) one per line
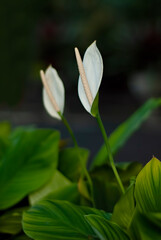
(53,92)
(91,71)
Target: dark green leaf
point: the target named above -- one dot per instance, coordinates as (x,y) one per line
(21,237)
(106,189)
(105,229)
(148,187)
(145,226)
(71,161)
(59,220)
(122,133)
(28,164)
(10,222)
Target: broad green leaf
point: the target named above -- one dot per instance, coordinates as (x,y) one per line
(105,229)
(71,161)
(69,193)
(145,226)
(59,220)
(27,164)
(10,222)
(124,208)
(148,187)
(123,132)
(105,194)
(56,182)
(105,183)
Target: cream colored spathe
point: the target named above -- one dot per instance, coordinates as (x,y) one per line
(53,92)
(91,71)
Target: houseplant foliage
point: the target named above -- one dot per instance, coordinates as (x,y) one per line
(46,191)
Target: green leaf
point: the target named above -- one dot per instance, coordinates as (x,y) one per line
(105,229)
(71,161)
(10,222)
(59,220)
(123,132)
(28,164)
(55,183)
(83,189)
(145,226)
(69,193)
(105,183)
(124,208)
(148,187)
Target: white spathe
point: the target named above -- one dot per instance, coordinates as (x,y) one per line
(93,66)
(57,89)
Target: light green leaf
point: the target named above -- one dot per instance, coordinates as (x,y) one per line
(124,208)
(83,189)
(10,222)
(71,161)
(123,132)
(148,187)
(56,182)
(27,164)
(69,193)
(105,229)
(145,226)
(59,220)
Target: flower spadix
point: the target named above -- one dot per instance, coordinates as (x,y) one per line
(91,71)
(53,92)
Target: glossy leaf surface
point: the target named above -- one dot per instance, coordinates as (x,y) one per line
(148,187)
(105,229)
(27,164)
(59,220)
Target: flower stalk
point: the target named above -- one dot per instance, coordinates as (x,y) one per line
(57,109)
(92,52)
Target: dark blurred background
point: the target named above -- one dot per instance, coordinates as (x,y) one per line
(34,34)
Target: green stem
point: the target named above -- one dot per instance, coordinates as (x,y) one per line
(77,148)
(69,129)
(109,152)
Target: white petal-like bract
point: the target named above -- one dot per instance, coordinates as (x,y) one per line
(93,66)
(57,89)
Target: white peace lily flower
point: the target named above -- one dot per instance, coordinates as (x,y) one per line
(91,71)
(53,92)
